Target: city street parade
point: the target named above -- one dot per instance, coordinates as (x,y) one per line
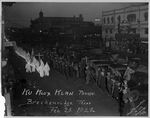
(65,66)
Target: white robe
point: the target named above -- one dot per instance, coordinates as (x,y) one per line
(46,69)
(33,67)
(37,65)
(34,64)
(41,69)
(28,67)
(27,57)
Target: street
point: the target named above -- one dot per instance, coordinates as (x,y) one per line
(86,99)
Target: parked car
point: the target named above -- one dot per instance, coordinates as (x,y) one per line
(139,84)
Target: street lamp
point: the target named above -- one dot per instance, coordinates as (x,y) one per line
(138,22)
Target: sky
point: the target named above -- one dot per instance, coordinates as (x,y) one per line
(21,13)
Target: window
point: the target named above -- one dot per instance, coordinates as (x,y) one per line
(106,31)
(146,16)
(146,30)
(133,30)
(119,18)
(104,21)
(108,20)
(112,20)
(111,31)
(131,17)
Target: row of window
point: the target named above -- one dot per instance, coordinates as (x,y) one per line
(146,31)
(130,18)
(108,20)
(133,30)
(108,31)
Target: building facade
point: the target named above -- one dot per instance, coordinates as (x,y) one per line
(128,20)
(71,29)
(43,23)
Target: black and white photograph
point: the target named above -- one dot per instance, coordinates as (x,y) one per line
(74,58)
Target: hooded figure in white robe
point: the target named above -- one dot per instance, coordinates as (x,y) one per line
(34,64)
(37,65)
(41,68)
(27,56)
(46,69)
(28,67)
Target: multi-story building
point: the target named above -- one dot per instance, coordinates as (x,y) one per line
(43,23)
(71,29)
(132,19)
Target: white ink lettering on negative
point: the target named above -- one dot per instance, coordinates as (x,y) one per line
(42,93)
(26,92)
(59,92)
(82,92)
(83,102)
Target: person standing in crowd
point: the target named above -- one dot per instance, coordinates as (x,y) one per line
(77,70)
(60,66)
(71,69)
(88,74)
(66,70)
(108,77)
(84,69)
(63,67)
(74,70)
(128,72)
(96,75)
(99,76)
(50,60)
(81,69)
(102,81)
(54,62)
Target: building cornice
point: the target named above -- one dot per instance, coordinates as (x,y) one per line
(129,11)
(125,8)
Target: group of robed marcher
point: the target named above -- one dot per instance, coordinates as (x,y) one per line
(33,64)
(71,69)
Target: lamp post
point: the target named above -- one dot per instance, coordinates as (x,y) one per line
(124,29)
(138,22)
(98,22)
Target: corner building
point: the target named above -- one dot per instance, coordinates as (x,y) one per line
(134,16)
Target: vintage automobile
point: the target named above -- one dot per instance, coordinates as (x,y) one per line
(139,84)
